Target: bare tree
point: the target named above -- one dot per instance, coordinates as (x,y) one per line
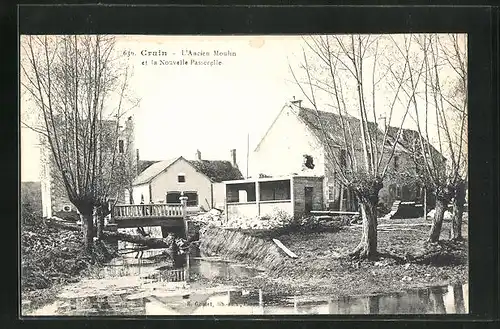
(78,91)
(444,98)
(358,72)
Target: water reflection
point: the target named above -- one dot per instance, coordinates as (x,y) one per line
(161,299)
(239,302)
(135,286)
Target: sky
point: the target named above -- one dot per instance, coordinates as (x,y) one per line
(210,108)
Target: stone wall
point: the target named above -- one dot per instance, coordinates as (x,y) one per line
(299,185)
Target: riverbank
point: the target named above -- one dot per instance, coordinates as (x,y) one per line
(321,269)
(52,258)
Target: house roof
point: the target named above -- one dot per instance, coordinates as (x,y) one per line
(329,127)
(217,170)
(153,170)
(409,139)
(144,164)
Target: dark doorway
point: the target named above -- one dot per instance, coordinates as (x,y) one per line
(308,199)
(406,193)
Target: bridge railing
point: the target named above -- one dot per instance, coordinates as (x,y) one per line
(148,210)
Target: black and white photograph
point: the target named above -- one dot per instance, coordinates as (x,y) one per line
(183,175)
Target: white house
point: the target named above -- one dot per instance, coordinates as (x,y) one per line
(301,141)
(199,180)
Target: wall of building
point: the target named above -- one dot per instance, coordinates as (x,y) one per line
(219,195)
(60,205)
(242,210)
(282,150)
(31,198)
(394,183)
(299,185)
(141,190)
(268,208)
(388,194)
(195,181)
(55,199)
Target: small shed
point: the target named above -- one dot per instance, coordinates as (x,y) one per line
(254,197)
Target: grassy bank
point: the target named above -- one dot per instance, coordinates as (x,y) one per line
(51,258)
(319,269)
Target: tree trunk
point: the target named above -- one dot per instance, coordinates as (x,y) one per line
(458,299)
(443,197)
(367,248)
(437,223)
(436,295)
(100,223)
(373,305)
(87,230)
(341,203)
(456,227)
(458,210)
(154,243)
(425,202)
(367,196)
(130,196)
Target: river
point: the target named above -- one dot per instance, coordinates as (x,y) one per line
(130,286)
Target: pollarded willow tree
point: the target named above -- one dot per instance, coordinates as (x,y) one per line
(77,90)
(440,109)
(363,76)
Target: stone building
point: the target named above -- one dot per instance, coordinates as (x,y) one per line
(305,142)
(55,201)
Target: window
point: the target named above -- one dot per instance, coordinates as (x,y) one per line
(331,192)
(192,200)
(173,197)
(181,178)
(396,162)
(120,146)
(398,192)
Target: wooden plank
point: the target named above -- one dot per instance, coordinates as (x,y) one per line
(285,249)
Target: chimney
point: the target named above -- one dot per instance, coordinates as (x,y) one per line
(233,158)
(198,155)
(382,122)
(297,102)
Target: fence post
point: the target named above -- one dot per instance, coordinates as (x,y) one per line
(183,200)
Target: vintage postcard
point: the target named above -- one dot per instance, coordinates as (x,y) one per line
(243,175)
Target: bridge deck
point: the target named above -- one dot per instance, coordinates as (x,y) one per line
(167,215)
(149,211)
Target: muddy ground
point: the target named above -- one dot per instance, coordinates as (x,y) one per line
(319,270)
(52,258)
